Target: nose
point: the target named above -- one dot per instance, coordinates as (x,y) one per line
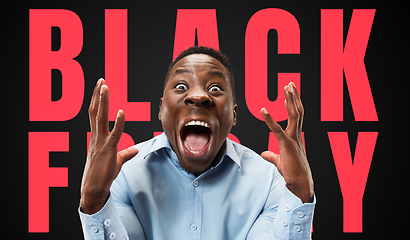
(198,98)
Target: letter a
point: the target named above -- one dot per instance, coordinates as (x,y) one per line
(201,20)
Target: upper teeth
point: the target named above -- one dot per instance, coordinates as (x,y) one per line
(197,123)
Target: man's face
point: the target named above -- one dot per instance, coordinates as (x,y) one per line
(197,110)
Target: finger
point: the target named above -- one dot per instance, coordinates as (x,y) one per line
(93,108)
(299,104)
(102,114)
(271,157)
(274,126)
(293,113)
(116,132)
(125,155)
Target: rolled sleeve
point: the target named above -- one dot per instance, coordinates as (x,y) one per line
(104,224)
(294,218)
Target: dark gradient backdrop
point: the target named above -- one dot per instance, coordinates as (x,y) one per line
(151,28)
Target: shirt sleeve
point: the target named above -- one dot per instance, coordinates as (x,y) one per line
(116,220)
(104,224)
(290,219)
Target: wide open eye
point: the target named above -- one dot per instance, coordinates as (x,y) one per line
(214,88)
(181,86)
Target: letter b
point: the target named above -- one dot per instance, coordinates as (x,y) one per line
(42,60)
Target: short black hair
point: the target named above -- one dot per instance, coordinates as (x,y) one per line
(218,55)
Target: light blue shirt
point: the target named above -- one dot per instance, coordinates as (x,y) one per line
(242,197)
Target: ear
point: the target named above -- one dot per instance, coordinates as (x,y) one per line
(160,109)
(235,108)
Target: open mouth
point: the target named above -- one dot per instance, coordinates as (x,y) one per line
(196,138)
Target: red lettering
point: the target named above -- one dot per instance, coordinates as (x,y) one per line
(256,58)
(116,68)
(42,60)
(335,59)
(352,175)
(338,59)
(203,21)
(41,176)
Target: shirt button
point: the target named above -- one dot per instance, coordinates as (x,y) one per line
(94,229)
(112,235)
(196,184)
(300,214)
(297,228)
(285,224)
(107,222)
(287,207)
(193,227)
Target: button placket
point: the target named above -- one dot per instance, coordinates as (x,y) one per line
(195,209)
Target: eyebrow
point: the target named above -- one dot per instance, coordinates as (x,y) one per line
(216,73)
(181,71)
(211,72)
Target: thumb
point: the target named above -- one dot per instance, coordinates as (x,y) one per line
(126,154)
(271,157)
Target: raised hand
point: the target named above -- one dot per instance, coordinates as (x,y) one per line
(291,161)
(103,162)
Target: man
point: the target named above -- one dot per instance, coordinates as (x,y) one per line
(192,182)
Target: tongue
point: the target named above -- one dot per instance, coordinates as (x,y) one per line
(196,141)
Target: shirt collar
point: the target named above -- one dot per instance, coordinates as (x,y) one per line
(231,152)
(161,141)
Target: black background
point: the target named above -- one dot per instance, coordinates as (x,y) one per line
(151,28)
